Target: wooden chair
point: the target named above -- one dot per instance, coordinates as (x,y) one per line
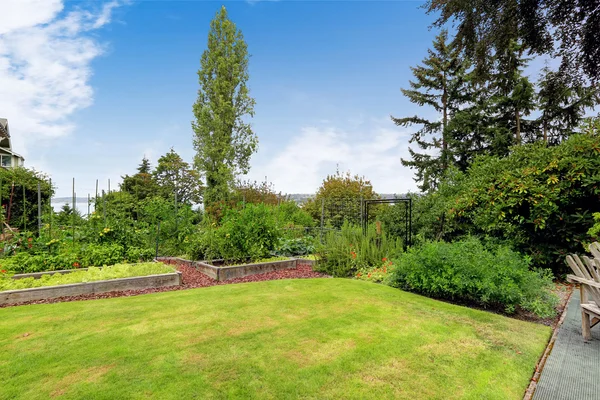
(587,274)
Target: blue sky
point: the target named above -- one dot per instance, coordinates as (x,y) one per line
(91,87)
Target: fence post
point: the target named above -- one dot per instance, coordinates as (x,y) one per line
(410,222)
(74,211)
(39,209)
(24,210)
(322,217)
(157,239)
(104,207)
(51,212)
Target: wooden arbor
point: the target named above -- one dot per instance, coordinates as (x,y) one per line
(587,274)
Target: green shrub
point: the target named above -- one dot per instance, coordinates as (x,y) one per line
(101,254)
(467,271)
(594,231)
(539,198)
(296,247)
(251,232)
(344,252)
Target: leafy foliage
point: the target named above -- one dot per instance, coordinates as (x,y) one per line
(175,177)
(467,271)
(540,198)
(343,253)
(20,211)
(340,196)
(224,141)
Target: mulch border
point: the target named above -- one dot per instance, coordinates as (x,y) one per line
(191,279)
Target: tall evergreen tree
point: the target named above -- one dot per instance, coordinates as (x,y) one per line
(224,140)
(562,105)
(566,29)
(144,167)
(438,84)
(513,93)
(140,185)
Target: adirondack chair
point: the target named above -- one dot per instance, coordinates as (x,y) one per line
(587,274)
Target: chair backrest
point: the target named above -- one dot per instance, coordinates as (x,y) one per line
(589,269)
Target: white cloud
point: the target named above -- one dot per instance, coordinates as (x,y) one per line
(45,56)
(309,157)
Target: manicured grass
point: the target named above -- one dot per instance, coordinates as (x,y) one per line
(90,275)
(313,338)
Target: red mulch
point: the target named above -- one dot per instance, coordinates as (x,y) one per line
(192,278)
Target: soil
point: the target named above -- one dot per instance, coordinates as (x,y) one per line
(563,291)
(192,279)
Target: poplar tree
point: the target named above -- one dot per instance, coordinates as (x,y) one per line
(438,84)
(224,140)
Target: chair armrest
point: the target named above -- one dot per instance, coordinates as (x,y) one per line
(576,279)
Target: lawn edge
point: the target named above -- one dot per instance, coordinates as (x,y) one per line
(530,391)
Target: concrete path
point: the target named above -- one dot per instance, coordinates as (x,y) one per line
(572,370)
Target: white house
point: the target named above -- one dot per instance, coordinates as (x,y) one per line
(8,158)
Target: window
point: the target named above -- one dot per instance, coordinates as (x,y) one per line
(5,161)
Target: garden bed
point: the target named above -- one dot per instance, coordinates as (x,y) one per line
(218,270)
(46,285)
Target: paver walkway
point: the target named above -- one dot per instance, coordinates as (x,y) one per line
(572,370)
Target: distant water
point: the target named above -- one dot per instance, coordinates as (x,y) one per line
(81,204)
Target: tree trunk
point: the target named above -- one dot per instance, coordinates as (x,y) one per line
(518,130)
(545,131)
(444,124)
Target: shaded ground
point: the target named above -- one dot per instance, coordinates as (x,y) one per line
(281,339)
(573,367)
(192,278)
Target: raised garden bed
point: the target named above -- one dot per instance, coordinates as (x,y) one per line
(217,270)
(85,288)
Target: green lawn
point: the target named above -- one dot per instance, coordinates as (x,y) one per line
(317,339)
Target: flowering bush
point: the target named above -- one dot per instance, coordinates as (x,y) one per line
(375,274)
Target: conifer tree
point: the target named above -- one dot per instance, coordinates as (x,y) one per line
(438,84)
(562,105)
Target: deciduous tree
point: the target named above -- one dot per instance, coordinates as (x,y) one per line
(224,140)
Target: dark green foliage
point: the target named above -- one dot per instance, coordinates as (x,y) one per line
(467,271)
(540,198)
(562,105)
(594,231)
(440,84)
(23,212)
(142,184)
(486,27)
(247,233)
(177,180)
(224,140)
(64,217)
(343,253)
